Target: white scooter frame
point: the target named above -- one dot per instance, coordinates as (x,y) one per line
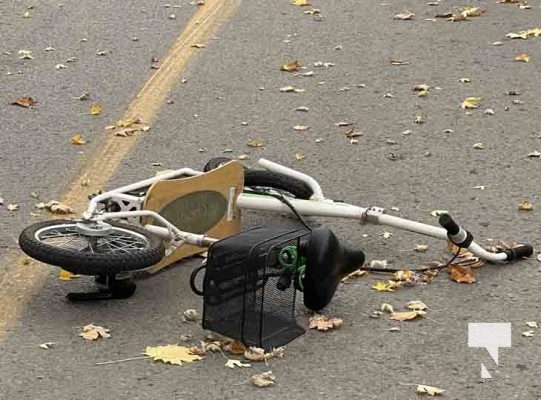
(318,205)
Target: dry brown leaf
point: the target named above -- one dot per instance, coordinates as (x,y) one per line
(472,11)
(457,18)
(172,354)
(420,88)
(95,109)
(461,274)
(292,66)
(258,354)
(407,315)
(190,315)
(264,379)
(25,101)
(77,139)
(93,332)
(235,348)
(198,45)
(324,322)
(56,207)
(354,275)
(430,390)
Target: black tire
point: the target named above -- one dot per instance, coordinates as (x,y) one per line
(81,261)
(254,178)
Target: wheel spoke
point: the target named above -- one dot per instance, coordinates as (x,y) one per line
(69,237)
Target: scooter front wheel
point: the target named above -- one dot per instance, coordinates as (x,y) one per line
(90,249)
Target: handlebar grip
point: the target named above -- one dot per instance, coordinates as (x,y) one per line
(523,250)
(449,224)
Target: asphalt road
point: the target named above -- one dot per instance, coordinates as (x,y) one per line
(231,95)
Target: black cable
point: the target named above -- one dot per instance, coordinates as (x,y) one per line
(284,200)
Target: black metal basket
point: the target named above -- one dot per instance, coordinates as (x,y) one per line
(249,295)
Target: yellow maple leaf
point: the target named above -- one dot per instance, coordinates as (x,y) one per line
(471,102)
(77,139)
(95,109)
(172,354)
(299,156)
(381,286)
(430,390)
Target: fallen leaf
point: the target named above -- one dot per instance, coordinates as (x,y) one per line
(301,128)
(525,206)
(385,307)
(430,390)
(255,142)
(300,2)
(406,275)
(528,333)
(299,157)
(461,274)
(386,235)
(65,275)
(292,66)
(420,88)
(46,346)
(407,315)
(324,322)
(235,348)
(56,207)
(190,315)
(405,16)
(12,207)
(236,364)
(198,45)
(258,354)
(93,332)
(479,146)
(421,248)
(416,305)
(471,102)
(289,89)
(302,108)
(355,274)
(532,324)
(523,57)
(25,101)
(399,62)
(381,286)
(172,354)
(95,109)
(77,139)
(244,157)
(266,378)
(25,54)
(465,80)
(472,11)
(313,11)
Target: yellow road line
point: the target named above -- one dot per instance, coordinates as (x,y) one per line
(24,278)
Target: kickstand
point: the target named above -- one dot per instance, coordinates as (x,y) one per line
(109,287)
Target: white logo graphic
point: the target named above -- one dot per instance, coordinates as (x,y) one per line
(490,336)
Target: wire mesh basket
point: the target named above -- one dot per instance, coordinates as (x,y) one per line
(249,294)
